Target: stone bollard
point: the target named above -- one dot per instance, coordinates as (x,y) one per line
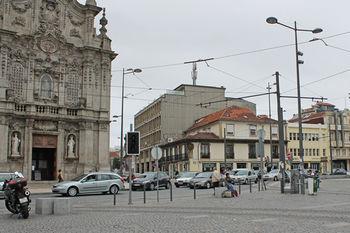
(44,206)
(62,206)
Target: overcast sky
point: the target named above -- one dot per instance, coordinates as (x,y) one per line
(149,33)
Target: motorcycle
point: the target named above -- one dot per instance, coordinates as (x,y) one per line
(17,196)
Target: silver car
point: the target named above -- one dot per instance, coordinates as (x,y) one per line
(96,182)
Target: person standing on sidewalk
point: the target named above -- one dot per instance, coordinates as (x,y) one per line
(60,177)
(215,179)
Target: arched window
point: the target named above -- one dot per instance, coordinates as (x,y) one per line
(46,86)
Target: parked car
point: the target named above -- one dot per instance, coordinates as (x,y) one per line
(184,179)
(149,181)
(244,176)
(95,182)
(340,171)
(272,175)
(203,180)
(6,176)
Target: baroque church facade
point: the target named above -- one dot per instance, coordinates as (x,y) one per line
(55,75)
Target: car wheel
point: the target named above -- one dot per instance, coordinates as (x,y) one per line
(151,186)
(256,181)
(72,191)
(208,185)
(176,185)
(114,189)
(275,178)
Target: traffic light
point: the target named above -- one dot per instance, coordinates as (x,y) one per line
(133,143)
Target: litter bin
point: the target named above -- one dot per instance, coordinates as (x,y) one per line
(310,185)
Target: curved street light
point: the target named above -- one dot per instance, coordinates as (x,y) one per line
(274,20)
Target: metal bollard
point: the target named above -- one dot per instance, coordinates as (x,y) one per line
(194,191)
(264,184)
(239,187)
(171,191)
(259,185)
(144,194)
(250,186)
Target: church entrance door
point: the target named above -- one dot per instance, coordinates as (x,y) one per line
(44,157)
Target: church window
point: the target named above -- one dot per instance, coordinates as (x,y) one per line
(46,86)
(17,79)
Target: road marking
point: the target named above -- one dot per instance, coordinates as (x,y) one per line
(264,220)
(337,224)
(328,205)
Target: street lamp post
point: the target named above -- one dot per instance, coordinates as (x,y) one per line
(128,71)
(273,20)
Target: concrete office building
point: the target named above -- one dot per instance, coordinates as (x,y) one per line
(169,116)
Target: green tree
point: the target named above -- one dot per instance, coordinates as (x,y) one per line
(116,163)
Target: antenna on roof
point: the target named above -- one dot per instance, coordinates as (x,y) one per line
(194,68)
(194,73)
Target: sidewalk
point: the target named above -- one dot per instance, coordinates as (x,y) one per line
(40,188)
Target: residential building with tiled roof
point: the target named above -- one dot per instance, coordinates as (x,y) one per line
(203,146)
(335,126)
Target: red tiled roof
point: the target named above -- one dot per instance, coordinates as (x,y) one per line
(319,103)
(233,113)
(202,135)
(311,118)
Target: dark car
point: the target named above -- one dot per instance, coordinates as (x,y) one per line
(339,171)
(149,181)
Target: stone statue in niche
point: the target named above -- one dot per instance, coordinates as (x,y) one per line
(71,147)
(15,145)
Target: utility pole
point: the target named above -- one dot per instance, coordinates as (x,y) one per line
(280,132)
(225,148)
(271,153)
(330,146)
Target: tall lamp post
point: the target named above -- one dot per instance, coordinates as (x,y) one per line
(273,20)
(128,71)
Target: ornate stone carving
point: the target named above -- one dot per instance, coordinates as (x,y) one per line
(19,21)
(45,125)
(73,21)
(71,146)
(48,45)
(49,20)
(74,33)
(21,6)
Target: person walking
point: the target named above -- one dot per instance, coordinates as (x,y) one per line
(59,176)
(215,179)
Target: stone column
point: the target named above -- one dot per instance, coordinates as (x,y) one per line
(28,145)
(103,147)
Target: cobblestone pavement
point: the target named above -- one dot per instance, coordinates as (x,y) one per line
(267,211)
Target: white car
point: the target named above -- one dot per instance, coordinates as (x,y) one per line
(272,175)
(95,182)
(244,176)
(184,179)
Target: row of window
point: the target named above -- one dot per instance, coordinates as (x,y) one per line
(307,152)
(306,136)
(230,130)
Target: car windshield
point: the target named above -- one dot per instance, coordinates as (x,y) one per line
(274,171)
(203,175)
(188,174)
(147,175)
(242,173)
(79,177)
